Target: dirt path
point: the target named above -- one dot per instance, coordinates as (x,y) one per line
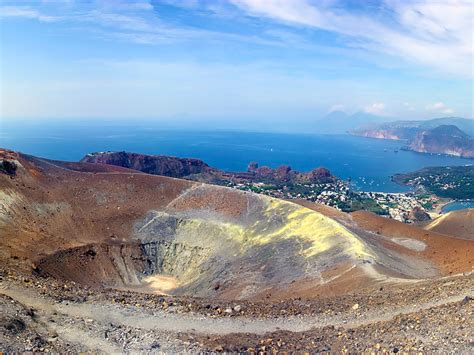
(45,311)
(171,322)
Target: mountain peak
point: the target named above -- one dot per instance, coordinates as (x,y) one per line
(336,114)
(450,130)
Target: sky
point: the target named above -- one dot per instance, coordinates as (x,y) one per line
(264,61)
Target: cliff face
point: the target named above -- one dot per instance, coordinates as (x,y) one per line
(430,136)
(444,140)
(284,173)
(387,132)
(378,133)
(151,164)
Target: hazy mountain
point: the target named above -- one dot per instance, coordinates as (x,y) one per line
(339,122)
(409,129)
(464,124)
(445,139)
(446,135)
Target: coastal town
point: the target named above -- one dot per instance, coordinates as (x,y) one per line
(405,207)
(318,185)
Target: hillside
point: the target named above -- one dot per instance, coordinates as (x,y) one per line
(194,227)
(444,139)
(459,223)
(100,257)
(448,135)
(456,182)
(339,122)
(82,223)
(406,129)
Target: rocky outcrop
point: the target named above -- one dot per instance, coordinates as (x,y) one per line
(8,167)
(321,174)
(432,136)
(283,173)
(195,169)
(8,162)
(252,167)
(418,214)
(387,133)
(151,164)
(409,129)
(444,140)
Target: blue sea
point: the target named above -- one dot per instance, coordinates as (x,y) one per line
(457,205)
(369,162)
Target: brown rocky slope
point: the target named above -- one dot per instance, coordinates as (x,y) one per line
(459,223)
(78,240)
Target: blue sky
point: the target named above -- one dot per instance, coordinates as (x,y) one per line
(237,60)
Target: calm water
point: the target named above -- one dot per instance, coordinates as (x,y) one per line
(370,162)
(457,205)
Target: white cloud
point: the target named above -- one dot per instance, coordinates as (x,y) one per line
(377,108)
(337,107)
(26,12)
(134,23)
(437,34)
(439,107)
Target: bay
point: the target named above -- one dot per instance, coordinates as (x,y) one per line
(369,162)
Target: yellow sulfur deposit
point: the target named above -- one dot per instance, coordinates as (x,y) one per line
(323,232)
(315,232)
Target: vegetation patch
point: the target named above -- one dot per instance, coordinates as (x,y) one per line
(456,182)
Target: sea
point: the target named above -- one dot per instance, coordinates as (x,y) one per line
(457,205)
(369,163)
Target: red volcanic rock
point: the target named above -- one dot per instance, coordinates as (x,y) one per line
(198,170)
(283,172)
(151,164)
(252,167)
(283,169)
(264,171)
(321,175)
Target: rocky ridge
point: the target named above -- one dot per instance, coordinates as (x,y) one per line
(448,140)
(439,136)
(197,170)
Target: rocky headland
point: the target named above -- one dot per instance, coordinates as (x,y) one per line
(448,140)
(440,136)
(197,170)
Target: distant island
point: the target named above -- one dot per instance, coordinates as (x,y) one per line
(339,122)
(444,140)
(450,135)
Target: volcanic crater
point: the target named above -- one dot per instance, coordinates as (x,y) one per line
(106,226)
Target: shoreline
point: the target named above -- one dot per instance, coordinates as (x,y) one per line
(456,201)
(438,208)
